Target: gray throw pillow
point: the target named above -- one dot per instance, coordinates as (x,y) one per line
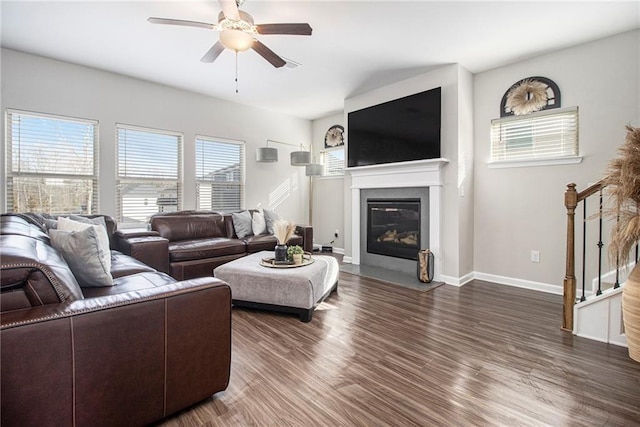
(242,224)
(66,224)
(83,252)
(99,220)
(270,217)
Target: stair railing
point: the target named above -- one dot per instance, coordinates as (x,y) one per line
(571,200)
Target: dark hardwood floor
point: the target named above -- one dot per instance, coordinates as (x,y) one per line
(377,354)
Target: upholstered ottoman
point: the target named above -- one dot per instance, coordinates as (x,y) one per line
(296,290)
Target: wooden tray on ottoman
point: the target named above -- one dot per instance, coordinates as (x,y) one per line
(272,263)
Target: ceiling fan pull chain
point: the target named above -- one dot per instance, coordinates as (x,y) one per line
(236,71)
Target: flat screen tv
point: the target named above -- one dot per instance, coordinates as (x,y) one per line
(396,131)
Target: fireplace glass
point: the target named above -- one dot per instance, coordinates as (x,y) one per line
(393,227)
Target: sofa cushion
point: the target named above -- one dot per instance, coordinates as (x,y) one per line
(83,253)
(176,227)
(186,250)
(124,265)
(267,242)
(16,224)
(131,283)
(242,224)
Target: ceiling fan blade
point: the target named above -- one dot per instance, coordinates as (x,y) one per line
(213,53)
(182,23)
(230,9)
(268,54)
(289,29)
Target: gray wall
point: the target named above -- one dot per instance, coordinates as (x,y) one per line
(500,215)
(39,84)
(328,192)
(520,209)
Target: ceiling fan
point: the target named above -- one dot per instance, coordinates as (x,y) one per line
(238,31)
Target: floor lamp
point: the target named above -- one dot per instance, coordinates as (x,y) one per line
(312,170)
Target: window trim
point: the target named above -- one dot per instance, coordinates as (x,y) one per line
(9,173)
(551,161)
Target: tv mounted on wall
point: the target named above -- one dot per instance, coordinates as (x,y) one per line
(400,130)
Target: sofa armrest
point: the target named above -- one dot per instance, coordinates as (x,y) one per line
(306,231)
(168,347)
(145,246)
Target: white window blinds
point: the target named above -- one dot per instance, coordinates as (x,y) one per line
(219,174)
(149,173)
(52,163)
(333,161)
(549,134)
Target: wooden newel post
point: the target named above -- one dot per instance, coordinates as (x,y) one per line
(569,300)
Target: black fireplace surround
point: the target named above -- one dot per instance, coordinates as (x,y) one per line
(393,227)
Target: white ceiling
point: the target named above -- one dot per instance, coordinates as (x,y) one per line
(355,46)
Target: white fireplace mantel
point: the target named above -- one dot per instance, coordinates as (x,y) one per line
(419,173)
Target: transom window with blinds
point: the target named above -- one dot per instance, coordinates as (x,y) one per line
(149,176)
(333,161)
(219,174)
(52,163)
(545,135)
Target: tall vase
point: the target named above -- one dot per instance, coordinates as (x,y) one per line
(631,312)
(281,253)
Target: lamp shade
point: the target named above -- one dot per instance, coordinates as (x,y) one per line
(236,40)
(266,155)
(300,158)
(313,169)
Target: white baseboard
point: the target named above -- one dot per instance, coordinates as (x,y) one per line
(519,283)
(457,281)
(338,251)
(501,280)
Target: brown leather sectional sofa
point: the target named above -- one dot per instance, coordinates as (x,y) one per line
(128,354)
(188,244)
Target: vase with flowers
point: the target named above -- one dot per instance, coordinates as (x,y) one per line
(283,231)
(622,181)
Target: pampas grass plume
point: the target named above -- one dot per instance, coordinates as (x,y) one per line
(622,181)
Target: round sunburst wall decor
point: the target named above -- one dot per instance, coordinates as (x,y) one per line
(527,97)
(334,137)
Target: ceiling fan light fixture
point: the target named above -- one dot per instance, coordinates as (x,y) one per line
(236,40)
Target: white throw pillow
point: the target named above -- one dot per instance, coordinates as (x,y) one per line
(258,223)
(66,224)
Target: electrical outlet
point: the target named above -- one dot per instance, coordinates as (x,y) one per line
(535,256)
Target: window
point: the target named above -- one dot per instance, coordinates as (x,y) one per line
(546,135)
(149,174)
(219,174)
(333,161)
(52,163)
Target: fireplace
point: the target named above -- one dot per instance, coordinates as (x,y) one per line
(418,179)
(393,227)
